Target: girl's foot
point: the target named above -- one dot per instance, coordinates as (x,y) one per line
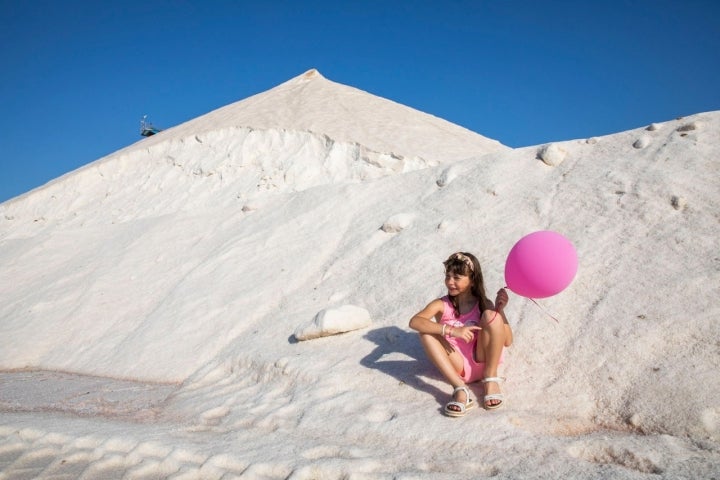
(493,398)
(461,402)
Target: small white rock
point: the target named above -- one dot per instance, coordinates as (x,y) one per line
(710,418)
(688,127)
(642,142)
(678,203)
(447,176)
(398,223)
(552,154)
(332,321)
(444,225)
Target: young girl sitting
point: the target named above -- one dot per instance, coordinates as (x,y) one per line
(464,334)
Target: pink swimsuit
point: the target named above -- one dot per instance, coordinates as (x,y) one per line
(472,370)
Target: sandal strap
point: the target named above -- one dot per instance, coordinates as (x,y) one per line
(462,388)
(493,379)
(460,405)
(468,398)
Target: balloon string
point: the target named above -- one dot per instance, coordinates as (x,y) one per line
(544,311)
(539,306)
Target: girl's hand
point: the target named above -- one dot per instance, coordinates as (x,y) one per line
(501,300)
(465,333)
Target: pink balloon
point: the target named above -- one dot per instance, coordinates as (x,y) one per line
(541,265)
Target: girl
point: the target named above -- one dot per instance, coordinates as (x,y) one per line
(463,333)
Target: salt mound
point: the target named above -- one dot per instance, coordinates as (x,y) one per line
(146,265)
(218,168)
(306,132)
(310,102)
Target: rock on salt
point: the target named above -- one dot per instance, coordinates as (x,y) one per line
(689,127)
(678,203)
(552,154)
(642,142)
(398,223)
(447,176)
(332,321)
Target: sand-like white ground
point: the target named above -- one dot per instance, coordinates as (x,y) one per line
(150,300)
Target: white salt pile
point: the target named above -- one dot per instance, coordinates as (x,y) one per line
(151,300)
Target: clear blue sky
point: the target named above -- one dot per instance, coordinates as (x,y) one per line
(77,76)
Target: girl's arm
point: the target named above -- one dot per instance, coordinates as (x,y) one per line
(423,324)
(422,321)
(501,300)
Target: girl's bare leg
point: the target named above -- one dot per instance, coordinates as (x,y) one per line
(445,359)
(493,337)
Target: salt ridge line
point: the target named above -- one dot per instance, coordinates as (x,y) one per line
(222,167)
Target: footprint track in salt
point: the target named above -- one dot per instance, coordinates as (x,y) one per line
(379,414)
(242,393)
(627,456)
(241,401)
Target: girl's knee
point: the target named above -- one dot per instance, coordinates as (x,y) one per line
(426,337)
(429,339)
(491,319)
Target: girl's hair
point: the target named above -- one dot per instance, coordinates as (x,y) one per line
(464,263)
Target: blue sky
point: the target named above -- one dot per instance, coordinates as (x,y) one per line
(77,76)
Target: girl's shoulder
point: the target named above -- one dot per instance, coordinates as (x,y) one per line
(440,303)
(445,306)
(444,301)
(436,308)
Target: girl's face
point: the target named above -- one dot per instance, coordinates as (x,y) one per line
(456,283)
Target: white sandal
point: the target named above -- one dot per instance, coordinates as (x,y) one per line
(462,407)
(493,396)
